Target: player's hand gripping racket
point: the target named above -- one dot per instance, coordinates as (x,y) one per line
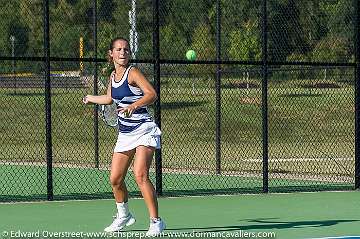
(109,114)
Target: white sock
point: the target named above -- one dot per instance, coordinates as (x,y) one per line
(155,219)
(123,209)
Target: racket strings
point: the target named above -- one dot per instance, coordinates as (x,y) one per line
(109,114)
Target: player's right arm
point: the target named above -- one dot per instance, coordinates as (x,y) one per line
(100,99)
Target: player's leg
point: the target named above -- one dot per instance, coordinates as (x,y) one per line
(119,167)
(142,165)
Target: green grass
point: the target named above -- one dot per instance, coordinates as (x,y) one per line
(319,124)
(311,124)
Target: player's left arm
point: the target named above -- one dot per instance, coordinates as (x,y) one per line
(137,79)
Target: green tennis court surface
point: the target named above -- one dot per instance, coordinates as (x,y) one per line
(295,215)
(89,182)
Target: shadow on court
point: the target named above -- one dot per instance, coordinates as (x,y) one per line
(262,224)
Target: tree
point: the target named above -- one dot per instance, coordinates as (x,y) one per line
(105,10)
(63,29)
(331,49)
(31,13)
(204,42)
(185,16)
(204,46)
(286,33)
(236,16)
(172,44)
(340,20)
(12,25)
(20,33)
(245,43)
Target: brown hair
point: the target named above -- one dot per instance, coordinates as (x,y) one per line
(110,66)
(111,46)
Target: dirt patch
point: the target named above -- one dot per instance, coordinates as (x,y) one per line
(321,86)
(250,100)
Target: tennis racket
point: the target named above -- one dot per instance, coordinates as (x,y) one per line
(109,114)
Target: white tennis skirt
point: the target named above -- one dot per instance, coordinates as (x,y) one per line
(148,134)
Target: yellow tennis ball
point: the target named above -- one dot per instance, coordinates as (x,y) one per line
(191,55)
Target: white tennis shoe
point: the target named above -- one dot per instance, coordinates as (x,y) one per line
(155,228)
(120,222)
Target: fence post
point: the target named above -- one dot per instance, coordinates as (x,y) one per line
(156,59)
(50,193)
(357,95)
(12,40)
(218,88)
(95,90)
(264,73)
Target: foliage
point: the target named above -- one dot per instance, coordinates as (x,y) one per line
(245,43)
(295,28)
(204,46)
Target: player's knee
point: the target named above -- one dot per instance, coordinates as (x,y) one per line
(141,177)
(116,181)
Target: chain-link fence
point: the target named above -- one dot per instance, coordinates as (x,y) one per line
(270,103)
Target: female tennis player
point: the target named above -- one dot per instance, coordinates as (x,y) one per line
(138,135)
